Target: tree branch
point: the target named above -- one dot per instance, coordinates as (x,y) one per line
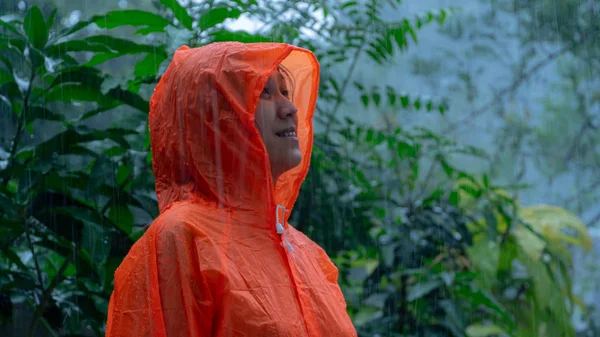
(339,99)
(516,84)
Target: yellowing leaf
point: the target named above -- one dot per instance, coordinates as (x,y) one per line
(481,330)
(530,243)
(557,225)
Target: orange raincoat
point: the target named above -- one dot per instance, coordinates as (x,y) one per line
(221,258)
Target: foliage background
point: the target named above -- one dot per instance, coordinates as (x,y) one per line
(435,164)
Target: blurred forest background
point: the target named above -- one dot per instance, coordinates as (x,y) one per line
(455,179)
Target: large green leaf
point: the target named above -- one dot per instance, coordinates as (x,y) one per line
(122,217)
(180,13)
(149,65)
(123,46)
(480,298)
(41,112)
(240,36)
(34,25)
(484,255)
(77,92)
(5,77)
(89,77)
(422,288)
(129,98)
(59,49)
(66,141)
(216,16)
(131,17)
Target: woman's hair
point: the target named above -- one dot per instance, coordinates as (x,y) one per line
(289,79)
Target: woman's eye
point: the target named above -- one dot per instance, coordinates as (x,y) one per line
(285,93)
(265,92)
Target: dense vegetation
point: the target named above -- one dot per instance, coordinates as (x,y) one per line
(424,248)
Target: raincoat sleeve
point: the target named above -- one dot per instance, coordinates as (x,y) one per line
(160,290)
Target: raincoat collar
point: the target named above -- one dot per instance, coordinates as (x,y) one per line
(205,146)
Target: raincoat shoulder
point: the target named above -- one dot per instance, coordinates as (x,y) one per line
(160,288)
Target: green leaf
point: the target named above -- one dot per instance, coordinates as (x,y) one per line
(391,94)
(37,58)
(123,46)
(5,77)
(478,298)
(114,151)
(216,16)
(421,289)
(77,92)
(9,26)
(41,112)
(101,58)
(365,100)
(123,173)
(148,204)
(35,27)
(131,17)
(66,141)
(406,150)
(87,76)
(180,13)
(454,198)
(240,36)
(404,100)
(51,19)
(376,98)
(149,65)
(129,98)
(348,4)
(14,258)
(149,29)
(11,44)
(59,49)
(122,217)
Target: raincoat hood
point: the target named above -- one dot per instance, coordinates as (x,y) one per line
(205,146)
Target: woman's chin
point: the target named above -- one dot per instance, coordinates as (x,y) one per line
(292,160)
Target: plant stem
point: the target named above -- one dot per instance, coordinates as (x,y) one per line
(33,255)
(17,137)
(46,295)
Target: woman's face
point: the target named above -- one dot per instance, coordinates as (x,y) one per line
(276,121)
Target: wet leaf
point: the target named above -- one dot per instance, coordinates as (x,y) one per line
(131,17)
(90,77)
(421,289)
(150,64)
(35,27)
(216,16)
(59,49)
(51,19)
(123,46)
(180,13)
(122,217)
(9,26)
(241,36)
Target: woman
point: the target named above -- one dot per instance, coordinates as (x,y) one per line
(231,134)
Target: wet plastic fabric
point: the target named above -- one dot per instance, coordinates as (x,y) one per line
(213,263)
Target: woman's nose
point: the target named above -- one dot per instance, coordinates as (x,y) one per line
(286,108)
